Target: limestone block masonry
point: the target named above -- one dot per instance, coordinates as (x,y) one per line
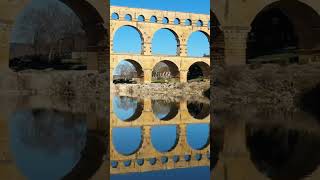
(147,29)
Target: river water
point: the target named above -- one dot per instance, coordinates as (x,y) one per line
(159,139)
(154,138)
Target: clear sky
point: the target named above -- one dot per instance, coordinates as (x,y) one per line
(194,6)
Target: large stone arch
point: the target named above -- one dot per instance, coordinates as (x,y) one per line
(202,66)
(302,18)
(133,151)
(171,111)
(137,66)
(137,111)
(173,68)
(174,32)
(91,13)
(172,146)
(198,110)
(191,130)
(235,18)
(258,6)
(116,29)
(190,45)
(207,34)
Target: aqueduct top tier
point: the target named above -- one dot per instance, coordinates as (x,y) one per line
(181,24)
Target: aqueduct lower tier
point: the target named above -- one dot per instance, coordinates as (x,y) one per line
(147,63)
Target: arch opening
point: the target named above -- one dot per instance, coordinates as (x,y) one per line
(127,108)
(115,16)
(128,39)
(198,44)
(164,110)
(141,18)
(188,22)
(199,71)
(128,72)
(56,35)
(199,23)
(165,72)
(127,141)
(164,138)
(198,136)
(198,110)
(153,19)
(280,34)
(176,21)
(128,17)
(165,20)
(165,42)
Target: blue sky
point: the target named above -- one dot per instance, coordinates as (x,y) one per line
(194,6)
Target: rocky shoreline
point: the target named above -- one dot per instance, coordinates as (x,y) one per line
(169,91)
(277,86)
(272,85)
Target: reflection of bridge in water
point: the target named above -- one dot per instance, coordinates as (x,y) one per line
(255,145)
(147,157)
(44,126)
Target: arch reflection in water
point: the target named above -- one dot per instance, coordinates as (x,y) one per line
(282,153)
(164,138)
(165,110)
(159,145)
(198,110)
(127,108)
(127,141)
(46,143)
(198,136)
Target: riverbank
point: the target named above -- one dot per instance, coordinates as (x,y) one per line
(169,91)
(271,85)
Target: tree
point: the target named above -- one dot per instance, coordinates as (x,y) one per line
(126,70)
(47,26)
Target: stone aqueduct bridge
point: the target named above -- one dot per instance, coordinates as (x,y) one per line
(146,60)
(145,120)
(233,20)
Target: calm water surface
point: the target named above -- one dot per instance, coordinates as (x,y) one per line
(158,139)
